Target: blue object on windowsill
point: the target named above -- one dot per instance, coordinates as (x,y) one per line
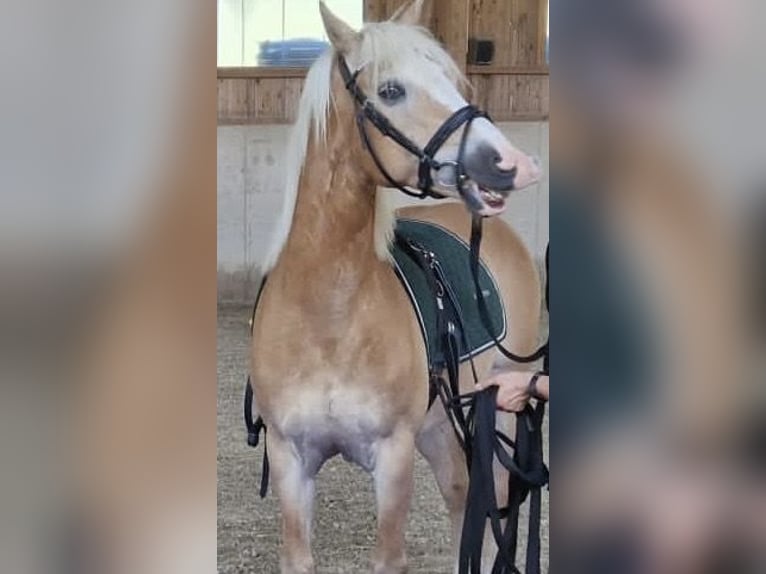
(296,53)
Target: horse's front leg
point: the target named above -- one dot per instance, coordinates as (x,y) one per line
(437,443)
(393,491)
(294,487)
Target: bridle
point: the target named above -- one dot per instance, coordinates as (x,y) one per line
(366,111)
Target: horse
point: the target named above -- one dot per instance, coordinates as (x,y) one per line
(339,364)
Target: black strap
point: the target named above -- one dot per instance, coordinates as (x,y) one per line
(527,475)
(254,428)
(261,287)
(464,116)
(486,319)
(527,470)
(360,121)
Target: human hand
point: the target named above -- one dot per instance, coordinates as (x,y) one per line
(512,389)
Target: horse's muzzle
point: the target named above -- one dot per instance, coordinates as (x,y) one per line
(482,165)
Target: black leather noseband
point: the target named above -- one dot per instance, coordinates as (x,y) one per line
(366,111)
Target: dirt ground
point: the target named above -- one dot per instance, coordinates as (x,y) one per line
(344,534)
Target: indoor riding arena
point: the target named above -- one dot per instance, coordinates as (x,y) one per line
(265,50)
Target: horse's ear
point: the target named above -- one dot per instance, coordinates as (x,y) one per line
(410,13)
(342,36)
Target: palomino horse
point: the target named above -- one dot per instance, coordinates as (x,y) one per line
(338,360)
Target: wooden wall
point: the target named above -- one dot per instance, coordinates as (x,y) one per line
(514,87)
(512,96)
(516,26)
(268,97)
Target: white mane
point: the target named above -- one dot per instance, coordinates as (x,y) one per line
(313,108)
(384,46)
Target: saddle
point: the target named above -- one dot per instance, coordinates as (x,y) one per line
(426,252)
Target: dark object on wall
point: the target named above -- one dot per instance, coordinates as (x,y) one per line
(480,51)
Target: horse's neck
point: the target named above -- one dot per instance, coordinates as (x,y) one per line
(332,232)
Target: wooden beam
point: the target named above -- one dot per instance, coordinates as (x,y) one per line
(508,97)
(450,25)
(261,72)
(507,70)
(379,10)
(542,32)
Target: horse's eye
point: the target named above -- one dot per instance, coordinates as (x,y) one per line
(391,92)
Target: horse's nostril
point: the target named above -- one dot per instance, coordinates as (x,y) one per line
(496,160)
(485,167)
(507,173)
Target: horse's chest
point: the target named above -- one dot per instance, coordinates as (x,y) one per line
(326,418)
(376,338)
(336,378)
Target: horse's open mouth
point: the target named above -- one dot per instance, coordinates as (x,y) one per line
(484,201)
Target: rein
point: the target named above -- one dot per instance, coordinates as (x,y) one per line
(486,319)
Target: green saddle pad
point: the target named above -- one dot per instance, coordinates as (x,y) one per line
(453,255)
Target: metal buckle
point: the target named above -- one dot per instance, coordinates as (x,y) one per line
(454,164)
(448,162)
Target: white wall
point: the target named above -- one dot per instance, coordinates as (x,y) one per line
(250,172)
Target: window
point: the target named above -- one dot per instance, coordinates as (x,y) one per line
(283,33)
